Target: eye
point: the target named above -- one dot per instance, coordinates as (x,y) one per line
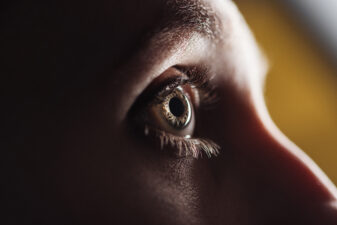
(173,112)
(176,109)
(166,112)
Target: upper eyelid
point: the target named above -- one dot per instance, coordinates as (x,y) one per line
(150,92)
(180,75)
(137,74)
(196,77)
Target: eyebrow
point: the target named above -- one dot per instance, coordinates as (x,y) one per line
(177,22)
(180,19)
(192,16)
(197,16)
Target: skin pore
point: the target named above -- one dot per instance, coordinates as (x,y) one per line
(75,70)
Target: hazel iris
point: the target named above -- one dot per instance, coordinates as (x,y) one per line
(176,109)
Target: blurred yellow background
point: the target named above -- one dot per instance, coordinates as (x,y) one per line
(301,87)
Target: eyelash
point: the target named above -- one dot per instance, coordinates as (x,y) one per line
(187,146)
(201,82)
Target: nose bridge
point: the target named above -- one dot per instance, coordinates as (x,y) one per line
(260,166)
(308,193)
(303,170)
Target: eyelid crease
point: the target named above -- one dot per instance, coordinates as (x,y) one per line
(200,78)
(178,81)
(196,76)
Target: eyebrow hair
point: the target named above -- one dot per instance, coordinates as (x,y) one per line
(194,15)
(179,20)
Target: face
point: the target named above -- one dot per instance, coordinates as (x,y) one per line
(146,112)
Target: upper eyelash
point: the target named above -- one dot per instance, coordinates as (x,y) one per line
(197,79)
(178,81)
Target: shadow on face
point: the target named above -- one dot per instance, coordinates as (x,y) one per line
(76,73)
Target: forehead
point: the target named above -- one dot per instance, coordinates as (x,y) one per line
(119,23)
(116,28)
(81,35)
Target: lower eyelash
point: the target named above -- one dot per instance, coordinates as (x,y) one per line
(186,146)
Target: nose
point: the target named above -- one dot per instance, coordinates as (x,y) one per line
(260,174)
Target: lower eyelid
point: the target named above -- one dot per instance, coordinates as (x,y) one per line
(183,146)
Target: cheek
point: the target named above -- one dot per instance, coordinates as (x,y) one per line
(106,174)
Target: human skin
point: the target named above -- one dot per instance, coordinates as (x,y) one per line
(75,69)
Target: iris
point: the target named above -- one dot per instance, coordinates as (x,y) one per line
(176,109)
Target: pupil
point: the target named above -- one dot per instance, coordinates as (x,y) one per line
(177,108)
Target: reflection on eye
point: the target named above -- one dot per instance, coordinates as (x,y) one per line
(176,109)
(172,112)
(168,114)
